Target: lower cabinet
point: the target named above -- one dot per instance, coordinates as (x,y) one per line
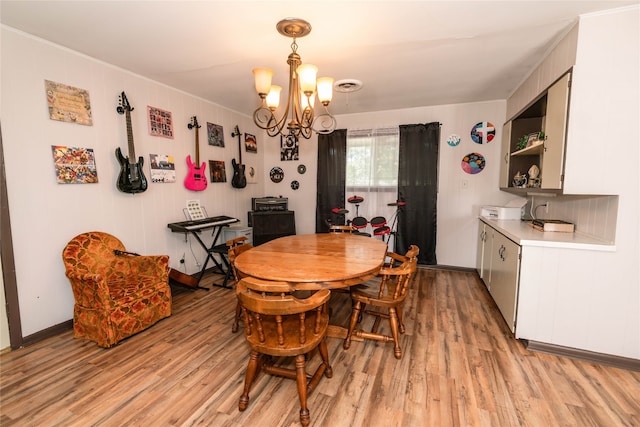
(498,263)
(505,271)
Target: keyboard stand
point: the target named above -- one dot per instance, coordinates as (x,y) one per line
(221,249)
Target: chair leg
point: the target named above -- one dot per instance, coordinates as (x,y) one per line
(324,354)
(393,319)
(301,379)
(355,313)
(400,322)
(252,370)
(234,327)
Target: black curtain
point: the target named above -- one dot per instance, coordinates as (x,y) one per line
(418,187)
(332,172)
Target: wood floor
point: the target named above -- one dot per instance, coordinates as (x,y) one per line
(461,367)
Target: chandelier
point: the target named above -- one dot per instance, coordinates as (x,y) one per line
(299,117)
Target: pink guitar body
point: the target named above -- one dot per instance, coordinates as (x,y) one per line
(196,179)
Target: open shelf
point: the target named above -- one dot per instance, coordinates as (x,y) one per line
(532,150)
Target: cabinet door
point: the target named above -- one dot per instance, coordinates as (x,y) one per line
(488,254)
(505,269)
(555,130)
(506,155)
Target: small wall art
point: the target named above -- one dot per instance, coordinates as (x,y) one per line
(163,169)
(160,122)
(288,147)
(483,133)
(250,143)
(74,165)
(453,140)
(252,175)
(217,171)
(68,103)
(473,163)
(215,135)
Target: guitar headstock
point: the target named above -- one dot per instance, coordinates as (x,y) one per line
(235,132)
(194,123)
(124,104)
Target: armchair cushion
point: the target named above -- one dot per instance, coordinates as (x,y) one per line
(115,296)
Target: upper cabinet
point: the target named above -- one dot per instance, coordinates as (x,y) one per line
(591,127)
(533,144)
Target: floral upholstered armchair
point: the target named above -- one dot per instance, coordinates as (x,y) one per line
(116,294)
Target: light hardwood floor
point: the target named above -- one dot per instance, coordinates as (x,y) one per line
(461,367)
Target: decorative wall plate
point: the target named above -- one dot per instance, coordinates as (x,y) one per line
(453,140)
(483,133)
(276,174)
(302,169)
(473,163)
(295,185)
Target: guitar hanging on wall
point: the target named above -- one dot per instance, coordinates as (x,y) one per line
(196,179)
(239,179)
(131,178)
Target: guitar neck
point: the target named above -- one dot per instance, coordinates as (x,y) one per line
(197,148)
(239,148)
(132,151)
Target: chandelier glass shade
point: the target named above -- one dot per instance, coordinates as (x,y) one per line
(300,116)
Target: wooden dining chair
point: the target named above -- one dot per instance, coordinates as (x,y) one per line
(388,299)
(341,229)
(278,324)
(236,247)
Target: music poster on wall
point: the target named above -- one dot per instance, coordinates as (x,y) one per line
(217,170)
(68,103)
(163,168)
(160,122)
(74,165)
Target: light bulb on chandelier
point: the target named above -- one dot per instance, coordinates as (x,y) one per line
(300,116)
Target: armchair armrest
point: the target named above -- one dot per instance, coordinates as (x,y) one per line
(89,288)
(146,265)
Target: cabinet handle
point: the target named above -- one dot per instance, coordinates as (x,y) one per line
(501,252)
(506,157)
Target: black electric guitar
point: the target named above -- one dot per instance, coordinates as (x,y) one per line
(196,179)
(239,180)
(131,178)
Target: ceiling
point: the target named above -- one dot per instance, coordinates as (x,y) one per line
(406,53)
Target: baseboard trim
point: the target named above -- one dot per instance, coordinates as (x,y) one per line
(626,363)
(47,333)
(447,267)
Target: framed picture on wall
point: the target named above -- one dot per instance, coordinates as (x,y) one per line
(160,122)
(288,147)
(215,135)
(68,103)
(74,165)
(250,143)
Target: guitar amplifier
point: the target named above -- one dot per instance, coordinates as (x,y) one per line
(267,226)
(269,204)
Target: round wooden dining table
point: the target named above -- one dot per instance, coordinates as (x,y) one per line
(315,261)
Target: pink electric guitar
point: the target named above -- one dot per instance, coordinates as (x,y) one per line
(196,179)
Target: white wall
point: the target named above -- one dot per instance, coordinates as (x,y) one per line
(46,215)
(460,195)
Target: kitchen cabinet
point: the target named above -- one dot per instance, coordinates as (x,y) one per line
(498,264)
(547,114)
(483,255)
(505,269)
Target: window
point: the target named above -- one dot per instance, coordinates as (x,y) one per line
(372,171)
(372,159)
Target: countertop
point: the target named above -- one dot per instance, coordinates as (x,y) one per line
(525,235)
